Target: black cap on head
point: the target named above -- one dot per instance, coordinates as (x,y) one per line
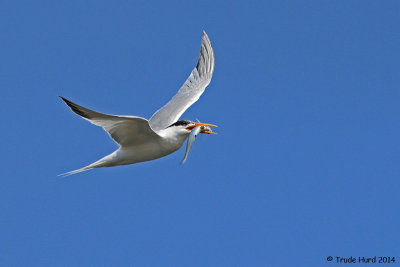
(181,123)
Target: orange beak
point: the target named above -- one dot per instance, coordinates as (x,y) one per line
(190,128)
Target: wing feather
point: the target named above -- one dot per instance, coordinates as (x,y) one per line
(191,90)
(124,130)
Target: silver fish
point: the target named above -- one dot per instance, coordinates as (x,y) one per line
(191,139)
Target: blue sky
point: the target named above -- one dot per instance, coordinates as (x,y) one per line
(305,164)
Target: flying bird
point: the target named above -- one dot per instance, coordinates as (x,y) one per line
(140,139)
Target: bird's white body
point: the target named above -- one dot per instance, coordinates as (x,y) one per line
(153,149)
(143,140)
(169,142)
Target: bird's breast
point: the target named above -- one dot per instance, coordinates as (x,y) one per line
(150,150)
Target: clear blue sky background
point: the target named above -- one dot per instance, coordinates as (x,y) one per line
(305,165)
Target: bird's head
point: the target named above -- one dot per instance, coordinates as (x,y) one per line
(186,126)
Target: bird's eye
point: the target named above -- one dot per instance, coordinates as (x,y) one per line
(181,123)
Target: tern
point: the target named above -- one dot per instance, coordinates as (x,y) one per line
(142,140)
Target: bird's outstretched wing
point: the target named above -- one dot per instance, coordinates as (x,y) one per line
(190,91)
(125,130)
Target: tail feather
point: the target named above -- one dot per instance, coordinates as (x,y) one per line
(75,171)
(107,161)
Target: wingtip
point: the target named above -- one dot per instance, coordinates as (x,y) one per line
(69,103)
(205,39)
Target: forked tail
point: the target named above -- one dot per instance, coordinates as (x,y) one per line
(76,171)
(107,161)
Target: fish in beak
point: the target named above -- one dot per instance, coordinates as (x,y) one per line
(205,129)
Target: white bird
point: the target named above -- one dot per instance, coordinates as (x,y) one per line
(143,140)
